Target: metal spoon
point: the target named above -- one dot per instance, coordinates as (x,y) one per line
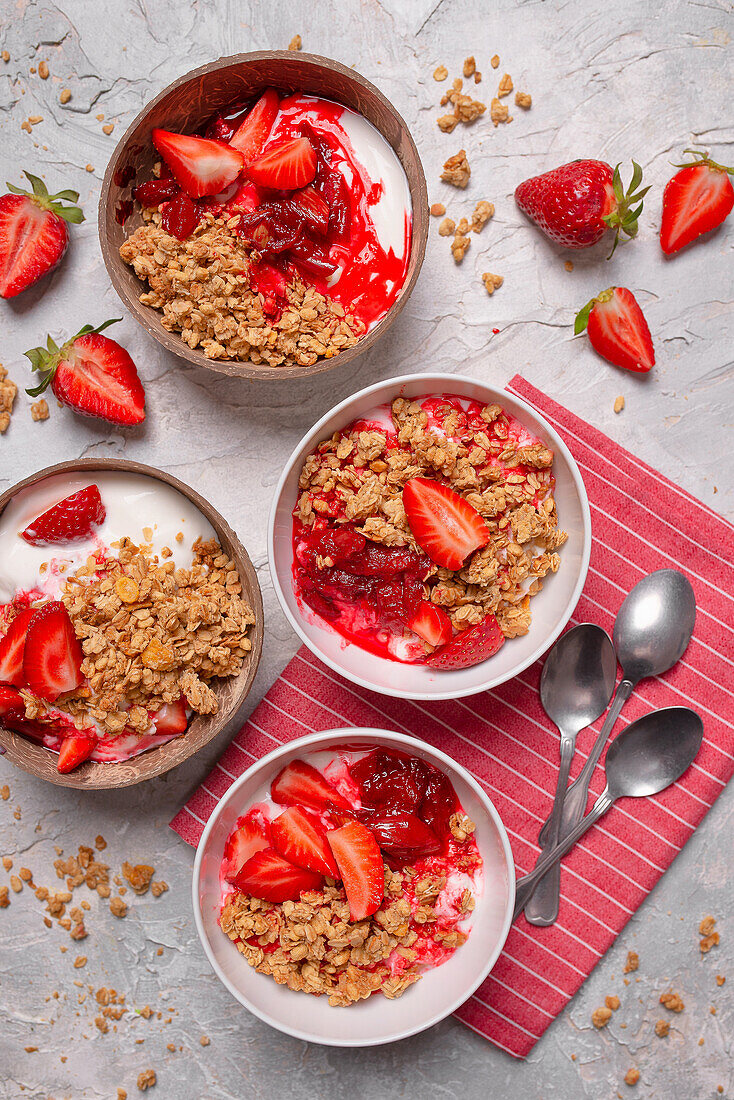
(646,758)
(653,627)
(576,685)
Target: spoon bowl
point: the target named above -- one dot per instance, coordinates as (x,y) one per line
(653,752)
(655,624)
(578,677)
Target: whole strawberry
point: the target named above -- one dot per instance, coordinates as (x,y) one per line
(577,203)
(695,201)
(34,234)
(93,375)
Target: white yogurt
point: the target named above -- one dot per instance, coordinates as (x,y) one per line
(132,502)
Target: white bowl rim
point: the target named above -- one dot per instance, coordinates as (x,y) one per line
(431,379)
(311,741)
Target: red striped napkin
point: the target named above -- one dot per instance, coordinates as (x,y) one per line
(640,522)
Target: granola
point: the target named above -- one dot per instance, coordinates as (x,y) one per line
(355,480)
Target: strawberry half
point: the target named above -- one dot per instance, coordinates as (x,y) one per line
(443,523)
(33,234)
(92,374)
(471,647)
(299,784)
(617,329)
(250,138)
(285,167)
(12,645)
(360,868)
(52,658)
(695,201)
(576,203)
(302,840)
(171,719)
(74,750)
(201,166)
(72,519)
(269,876)
(12,707)
(403,835)
(242,844)
(432,624)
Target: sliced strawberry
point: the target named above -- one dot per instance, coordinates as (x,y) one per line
(471,647)
(617,329)
(299,784)
(313,207)
(33,234)
(285,167)
(52,657)
(439,803)
(171,719)
(12,645)
(250,837)
(269,876)
(403,834)
(432,624)
(302,840)
(255,128)
(75,749)
(92,374)
(201,166)
(443,523)
(246,197)
(695,201)
(154,192)
(12,707)
(360,868)
(72,519)
(180,216)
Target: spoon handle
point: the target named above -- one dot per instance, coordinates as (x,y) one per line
(526,885)
(544,910)
(542,907)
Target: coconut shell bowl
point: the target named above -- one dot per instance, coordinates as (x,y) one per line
(187,105)
(231,692)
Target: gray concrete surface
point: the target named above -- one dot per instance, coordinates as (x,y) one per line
(636,78)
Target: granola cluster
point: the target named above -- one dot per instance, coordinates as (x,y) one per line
(358,477)
(312,946)
(150,632)
(202,285)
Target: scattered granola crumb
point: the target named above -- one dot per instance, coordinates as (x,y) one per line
(121,1094)
(26,874)
(118,908)
(8,390)
(447,124)
(205,1040)
(100,843)
(632,963)
(43,70)
(15,884)
(100,117)
(35,119)
(524,100)
(4,897)
(179,536)
(573,1057)
(499,112)
(138,876)
(25,125)
(437,210)
(447,227)
(65,95)
(158,888)
(460,246)
(712,1010)
(39,410)
(612,1002)
(89,167)
(5,56)
(456,170)
(108,128)
(568,265)
(492,282)
(701,1041)
(618,404)
(296,42)
(80,961)
(159,951)
(600,1017)
(672,1002)
(720,979)
(171,1047)
(7,863)
(440,73)
(505,86)
(470,67)
(495,61)
(632,1076)
(30,1050)
(483,211)
(5,789)
(708,942)
(146,1079)
(707,926)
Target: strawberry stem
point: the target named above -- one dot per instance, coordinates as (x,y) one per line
(46,360)
(624,218)
(703,158)
(582,317)
(40,196)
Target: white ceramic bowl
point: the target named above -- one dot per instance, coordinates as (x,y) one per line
(551,608)
(377,1020)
